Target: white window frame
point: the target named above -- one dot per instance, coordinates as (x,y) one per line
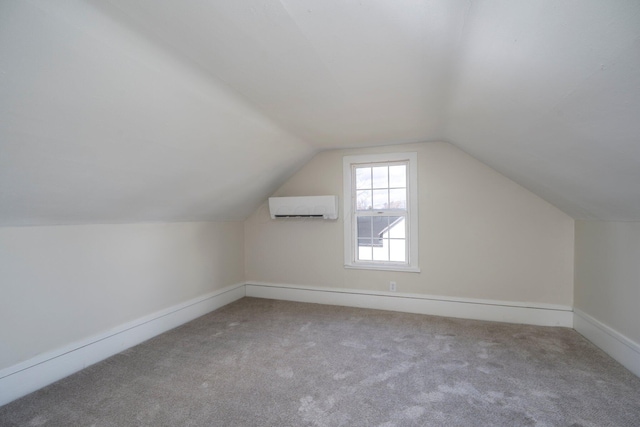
(350,224)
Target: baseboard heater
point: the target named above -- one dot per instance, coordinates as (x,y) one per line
(324,207)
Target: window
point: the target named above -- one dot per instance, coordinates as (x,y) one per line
(381,211)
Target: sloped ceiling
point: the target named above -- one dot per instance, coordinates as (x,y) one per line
(165,110)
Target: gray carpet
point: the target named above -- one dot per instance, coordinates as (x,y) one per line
(274,363)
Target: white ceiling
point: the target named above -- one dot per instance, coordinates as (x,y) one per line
(166,110)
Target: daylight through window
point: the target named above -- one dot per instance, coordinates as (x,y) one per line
(381,200)
(378,224)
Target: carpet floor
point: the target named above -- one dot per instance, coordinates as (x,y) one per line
(259,362)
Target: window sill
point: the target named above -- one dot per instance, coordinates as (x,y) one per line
(382,267)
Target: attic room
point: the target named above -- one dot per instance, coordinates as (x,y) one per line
(480,265)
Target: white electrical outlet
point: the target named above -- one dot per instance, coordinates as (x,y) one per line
(392,286)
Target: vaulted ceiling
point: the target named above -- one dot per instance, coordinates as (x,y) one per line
(166,110)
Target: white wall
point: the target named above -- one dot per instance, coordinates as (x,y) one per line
(481,235)
(63,284)
(607,269)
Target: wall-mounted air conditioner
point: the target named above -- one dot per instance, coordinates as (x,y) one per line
(325,207)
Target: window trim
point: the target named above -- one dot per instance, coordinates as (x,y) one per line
(350,214)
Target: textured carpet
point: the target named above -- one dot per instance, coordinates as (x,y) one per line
(261,362)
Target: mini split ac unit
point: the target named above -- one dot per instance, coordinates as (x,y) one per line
(325,207)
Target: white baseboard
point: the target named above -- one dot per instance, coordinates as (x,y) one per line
(499,311)
(33,374)
(612,342)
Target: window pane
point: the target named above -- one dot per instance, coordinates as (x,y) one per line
(380,177)
(363,178)
(365,242)
(398,176)
(397,228)
(380,226)
(381,253)
(365,250)
(398,199)
(380,199)
(365,228)
(363,200)
(397,250)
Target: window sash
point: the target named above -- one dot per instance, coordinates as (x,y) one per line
(396,212)
(378,241)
